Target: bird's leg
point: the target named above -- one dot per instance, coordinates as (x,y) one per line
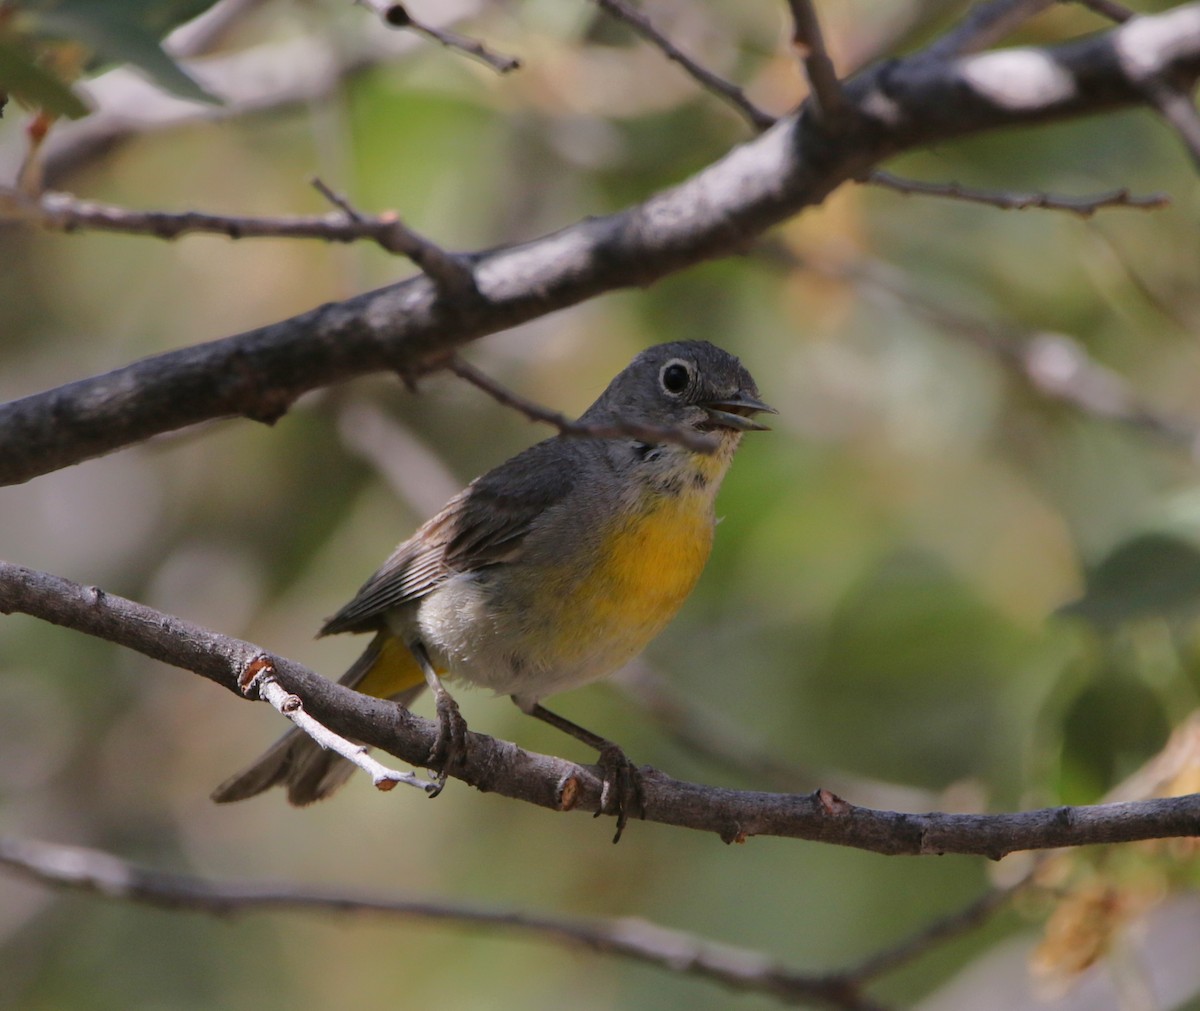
(450,748)
(621,790)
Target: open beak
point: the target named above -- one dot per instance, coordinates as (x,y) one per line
(737,413)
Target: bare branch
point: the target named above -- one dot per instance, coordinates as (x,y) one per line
(63,212)
(973,915)
(723,89)
(1178,108)
(900,105)
(396,15)
(1173,103)
(708,734)
(1084,206)
(986,24)
(1116,12)
(809,43)
(1055,365)
(576,429)
(98,873)
(499,767)
(1119,255)
(452,274)
(258,681)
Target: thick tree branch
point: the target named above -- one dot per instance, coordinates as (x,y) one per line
(739,969)
(892,107)
(503,768)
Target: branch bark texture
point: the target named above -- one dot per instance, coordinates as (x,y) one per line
(410,327)
(497,766)
(92,871)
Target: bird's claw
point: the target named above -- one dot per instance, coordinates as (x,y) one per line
(621,788)
(449,750)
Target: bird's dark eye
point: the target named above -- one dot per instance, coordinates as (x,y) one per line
(675,376)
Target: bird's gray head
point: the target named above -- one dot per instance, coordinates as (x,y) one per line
(689,385)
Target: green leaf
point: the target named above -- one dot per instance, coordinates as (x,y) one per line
(21,77)
(122,32)
(1152,574)
(1111,728)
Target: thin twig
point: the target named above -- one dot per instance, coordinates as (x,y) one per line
(1120,257)
(99,873)
(260,682)
(726,90)
(64,212)
(1106,9)
(1084,206)
(396,15)
(986,24)
(452,274)
(1177,757)
(1179,110)
(809,43)
(1173,103)
(1054,364)
(578,429)
(709,734)
(973,915)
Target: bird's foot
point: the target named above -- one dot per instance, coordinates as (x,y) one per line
(449,750)
(621,790)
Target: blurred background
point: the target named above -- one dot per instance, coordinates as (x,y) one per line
(986,417)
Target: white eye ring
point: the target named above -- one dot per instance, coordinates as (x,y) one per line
(675,377)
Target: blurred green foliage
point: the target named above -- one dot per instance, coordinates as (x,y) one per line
(44,43)
(891,591)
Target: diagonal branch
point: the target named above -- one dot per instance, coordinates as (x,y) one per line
(809,43)
(500,767)
(1178,109)
(1054,365)
(260,682)
(1106,9)
(397,15)
(451,274)
(723,89)
(986,24)
(899,105)
(98,873)
(578,429)
(973,915)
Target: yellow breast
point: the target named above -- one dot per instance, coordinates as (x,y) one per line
(648,564)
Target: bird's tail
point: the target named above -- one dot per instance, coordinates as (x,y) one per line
(386,669)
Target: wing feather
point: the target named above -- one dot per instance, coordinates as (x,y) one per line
(483,525)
